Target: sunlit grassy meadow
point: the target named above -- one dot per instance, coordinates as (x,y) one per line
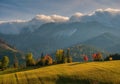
(70,73)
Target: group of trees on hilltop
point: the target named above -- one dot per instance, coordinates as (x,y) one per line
(30,60)
(62,57)
(99,57)
(4,62)
(44,60)
(96,57)
(113,57)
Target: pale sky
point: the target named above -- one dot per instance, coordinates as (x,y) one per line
(27,9)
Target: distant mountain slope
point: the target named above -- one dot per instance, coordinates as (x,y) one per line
(18,26)
(78,51)
(4,45)
(51,36)
(104,41)
(114,48)
(8,50)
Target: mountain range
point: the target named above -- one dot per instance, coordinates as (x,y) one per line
(109,17)
(48,33)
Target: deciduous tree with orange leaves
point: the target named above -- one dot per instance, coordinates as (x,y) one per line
(97,57)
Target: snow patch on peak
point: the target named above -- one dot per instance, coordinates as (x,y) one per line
(76,17)
(108,11)
(78,14)
(58,18)
(42,18)
(109,17)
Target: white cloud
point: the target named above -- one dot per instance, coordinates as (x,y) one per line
(2,22)
(43,18)
(107,17)
(108,10)
(52,18)
(12,27)
(13,21)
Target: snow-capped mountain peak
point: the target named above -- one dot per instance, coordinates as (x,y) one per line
(109,17)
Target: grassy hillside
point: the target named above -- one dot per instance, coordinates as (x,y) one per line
(8,50)
(71,73)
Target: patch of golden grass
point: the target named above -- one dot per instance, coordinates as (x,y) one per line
(70,73)
(21,78)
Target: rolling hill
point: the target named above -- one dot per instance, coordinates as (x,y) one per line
(104,41)
(10,51)
(70,73)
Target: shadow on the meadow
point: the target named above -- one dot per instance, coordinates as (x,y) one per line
(66,80)
(77,63)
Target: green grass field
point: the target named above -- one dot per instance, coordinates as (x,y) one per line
(70,73)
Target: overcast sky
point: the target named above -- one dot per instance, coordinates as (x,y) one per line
(27,9)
